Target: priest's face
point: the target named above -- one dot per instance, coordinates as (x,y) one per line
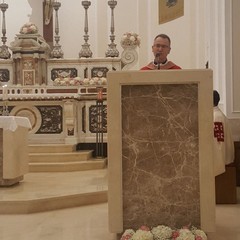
(161,48)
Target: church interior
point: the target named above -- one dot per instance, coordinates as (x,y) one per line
(90,145)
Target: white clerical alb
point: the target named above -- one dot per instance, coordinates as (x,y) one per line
(223,143)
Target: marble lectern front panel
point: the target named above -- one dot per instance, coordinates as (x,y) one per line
(160,169)
(160,136)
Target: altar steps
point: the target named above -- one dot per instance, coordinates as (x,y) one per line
(51,148)
(46,191)
(62,158)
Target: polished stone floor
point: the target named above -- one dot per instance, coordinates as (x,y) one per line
(54,184)
(87,222)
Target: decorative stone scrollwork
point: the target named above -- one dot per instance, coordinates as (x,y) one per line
(129,42)
(129,57)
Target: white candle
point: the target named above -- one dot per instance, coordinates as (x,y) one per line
(5,93)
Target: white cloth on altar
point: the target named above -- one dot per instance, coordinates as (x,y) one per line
(223,152)
(12,122)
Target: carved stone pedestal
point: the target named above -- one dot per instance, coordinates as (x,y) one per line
(13,149)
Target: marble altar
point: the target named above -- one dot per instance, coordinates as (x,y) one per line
(58,96)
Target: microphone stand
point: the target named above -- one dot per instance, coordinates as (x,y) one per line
(157,57)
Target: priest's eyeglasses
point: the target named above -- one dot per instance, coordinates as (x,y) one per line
(161,46)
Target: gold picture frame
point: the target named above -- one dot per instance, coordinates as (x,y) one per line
(170,10)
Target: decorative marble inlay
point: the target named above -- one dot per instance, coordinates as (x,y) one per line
(28,64)
(70,131)
(4,75)
(94,111)
(28,71)
(51,119)
(99,72)
(9,109)
(28,77)
(64,72)
(160,155)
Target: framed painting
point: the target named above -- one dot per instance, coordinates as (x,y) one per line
(170,10)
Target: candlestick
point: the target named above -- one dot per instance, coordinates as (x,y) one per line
(86,51)
(112,50)
(4,52)
(57,51)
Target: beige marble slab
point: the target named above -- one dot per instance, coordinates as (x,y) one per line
(13,155)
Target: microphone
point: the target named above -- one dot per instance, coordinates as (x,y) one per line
(157,56)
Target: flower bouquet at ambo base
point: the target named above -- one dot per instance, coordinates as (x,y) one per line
(162,232)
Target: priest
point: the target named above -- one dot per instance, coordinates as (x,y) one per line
(161,48)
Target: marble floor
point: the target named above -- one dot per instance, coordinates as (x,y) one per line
(88,222)
(53,184)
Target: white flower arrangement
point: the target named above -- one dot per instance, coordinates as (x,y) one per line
(185,234)
(163,232)
(130,39)
(77,81)
(142,235)
(29,28)
(199,234)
